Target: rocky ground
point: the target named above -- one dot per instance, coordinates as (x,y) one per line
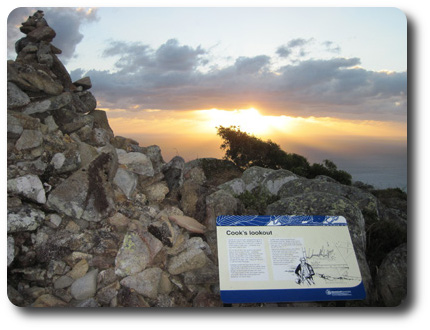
(96,220)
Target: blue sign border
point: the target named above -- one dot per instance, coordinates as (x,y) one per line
(293,295)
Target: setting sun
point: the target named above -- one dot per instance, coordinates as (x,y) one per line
(249,120)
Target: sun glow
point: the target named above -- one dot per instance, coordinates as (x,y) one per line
(249,120)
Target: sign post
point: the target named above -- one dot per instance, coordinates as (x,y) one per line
(287,259)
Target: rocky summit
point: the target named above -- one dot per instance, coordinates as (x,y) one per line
(96,220)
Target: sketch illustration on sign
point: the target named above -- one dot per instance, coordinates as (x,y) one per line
(304,271)
(331,261)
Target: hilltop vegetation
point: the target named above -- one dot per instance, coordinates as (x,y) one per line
(247,150)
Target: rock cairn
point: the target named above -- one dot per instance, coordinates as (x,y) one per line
(96,220)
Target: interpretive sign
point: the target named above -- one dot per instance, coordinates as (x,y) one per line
(287,258)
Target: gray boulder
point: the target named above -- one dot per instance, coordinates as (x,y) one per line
(28,186)
(392,278)
(365,201)
(174,173)
(220,202)
(192,259)
(50,104)
(126,181)
(26,218)
(29,139)
(87,193)
(16,98)
(133,256)
(146,283)
(86,286)
(136,162)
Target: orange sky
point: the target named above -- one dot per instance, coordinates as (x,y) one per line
(192,134)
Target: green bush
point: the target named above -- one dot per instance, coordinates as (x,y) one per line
(257,200)
(246,151)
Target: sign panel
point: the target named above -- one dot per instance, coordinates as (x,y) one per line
(286,259)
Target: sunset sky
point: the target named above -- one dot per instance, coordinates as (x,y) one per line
(327,83)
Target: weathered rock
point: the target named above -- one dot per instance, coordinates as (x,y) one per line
(119,221)
(10,250)
(193,196)
(51,104)
(136,162)
(29,139)
(126,181)
(16,98)
(43,33)
(26,219)
(362,199)
(101,120)
(29,79)
(90,103)
(86,286)
(206,299)
(154,153)
(99,137)
(26,121)
(63,282)
(157,192)
(107,293)
(265,180)
(36,167)
(188,223)
(67,161)
(88,303)
(28,186)
(208,274)
(48,300)
(234,187)
(31,274)
(106,277)
(133,256)
(254,176)
(195,174)
(84,82)
(54,219)
(56,267)
(14,127)
(78,105)
(130,298)
(164,231)
(174,173)
(189,260)
(219,203)
(79,270)
(145,283)
(273,182)
(70,196)
(87,153)
(392,277)
(87,193)
(121,142)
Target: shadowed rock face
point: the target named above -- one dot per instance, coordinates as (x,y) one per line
(96,219)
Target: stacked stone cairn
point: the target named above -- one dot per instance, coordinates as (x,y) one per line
(96,220)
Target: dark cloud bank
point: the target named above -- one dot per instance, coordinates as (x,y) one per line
(180,77)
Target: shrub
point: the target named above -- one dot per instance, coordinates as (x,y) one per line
(246,151)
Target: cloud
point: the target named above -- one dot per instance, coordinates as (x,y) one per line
(169,78)
(331,47)
(251,65)
(65,21)
(296,45)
